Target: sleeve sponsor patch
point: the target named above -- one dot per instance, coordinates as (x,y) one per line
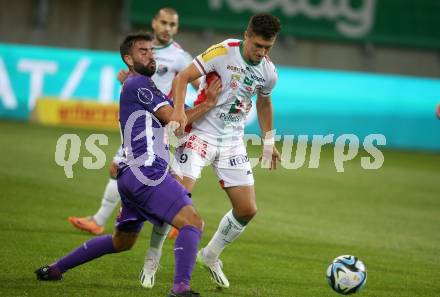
(145,95)
(214,51)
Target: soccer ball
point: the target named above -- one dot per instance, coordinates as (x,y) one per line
(346,275)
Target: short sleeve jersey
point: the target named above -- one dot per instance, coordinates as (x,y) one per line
(241,80)
(170,60)
(143,138)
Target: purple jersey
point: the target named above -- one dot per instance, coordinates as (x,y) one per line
(145,159)
(143,136)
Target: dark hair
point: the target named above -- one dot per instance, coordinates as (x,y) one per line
(130,39)
(264,25)
(168,10)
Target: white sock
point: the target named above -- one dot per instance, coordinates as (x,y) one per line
(228,230)
(109,201)
(158,237)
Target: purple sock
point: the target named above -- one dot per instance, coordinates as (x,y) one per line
(185,253)
(89,250)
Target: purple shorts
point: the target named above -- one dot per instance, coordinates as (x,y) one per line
(156,204)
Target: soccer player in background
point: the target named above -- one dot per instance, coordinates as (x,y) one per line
(145,158)
(171,59)
(217,138)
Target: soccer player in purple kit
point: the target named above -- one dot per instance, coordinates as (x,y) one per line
(148,191)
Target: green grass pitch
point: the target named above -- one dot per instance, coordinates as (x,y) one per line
(389,218)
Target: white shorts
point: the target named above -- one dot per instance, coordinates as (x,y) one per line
(230,163)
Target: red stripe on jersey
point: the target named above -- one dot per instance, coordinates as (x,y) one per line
(200,98)
(210,77)
(202,95)
(222,183)
(234,43)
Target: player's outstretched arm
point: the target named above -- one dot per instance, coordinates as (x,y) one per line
(189,74)
(199,110)
(164,113)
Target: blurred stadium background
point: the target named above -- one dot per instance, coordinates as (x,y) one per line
(345,67)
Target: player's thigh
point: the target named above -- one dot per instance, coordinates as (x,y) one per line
(187,182)
(232,167)
(191,158)
(243,200)
(162,202)
(156,204)
(187,164)
(123,241)
(235,175)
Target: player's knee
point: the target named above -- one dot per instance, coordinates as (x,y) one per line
(246,213)
(123,243)
(122,246)
(188,216)
(196,220)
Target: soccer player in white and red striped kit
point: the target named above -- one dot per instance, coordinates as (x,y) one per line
(216,138)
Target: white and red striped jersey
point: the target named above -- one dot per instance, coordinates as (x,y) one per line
(241,80)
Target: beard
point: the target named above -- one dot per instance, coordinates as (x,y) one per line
(147,70)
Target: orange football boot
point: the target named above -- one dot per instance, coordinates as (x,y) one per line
(173,233)
(87,224)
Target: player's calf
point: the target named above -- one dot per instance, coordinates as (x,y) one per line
(190,226)
(86,252)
